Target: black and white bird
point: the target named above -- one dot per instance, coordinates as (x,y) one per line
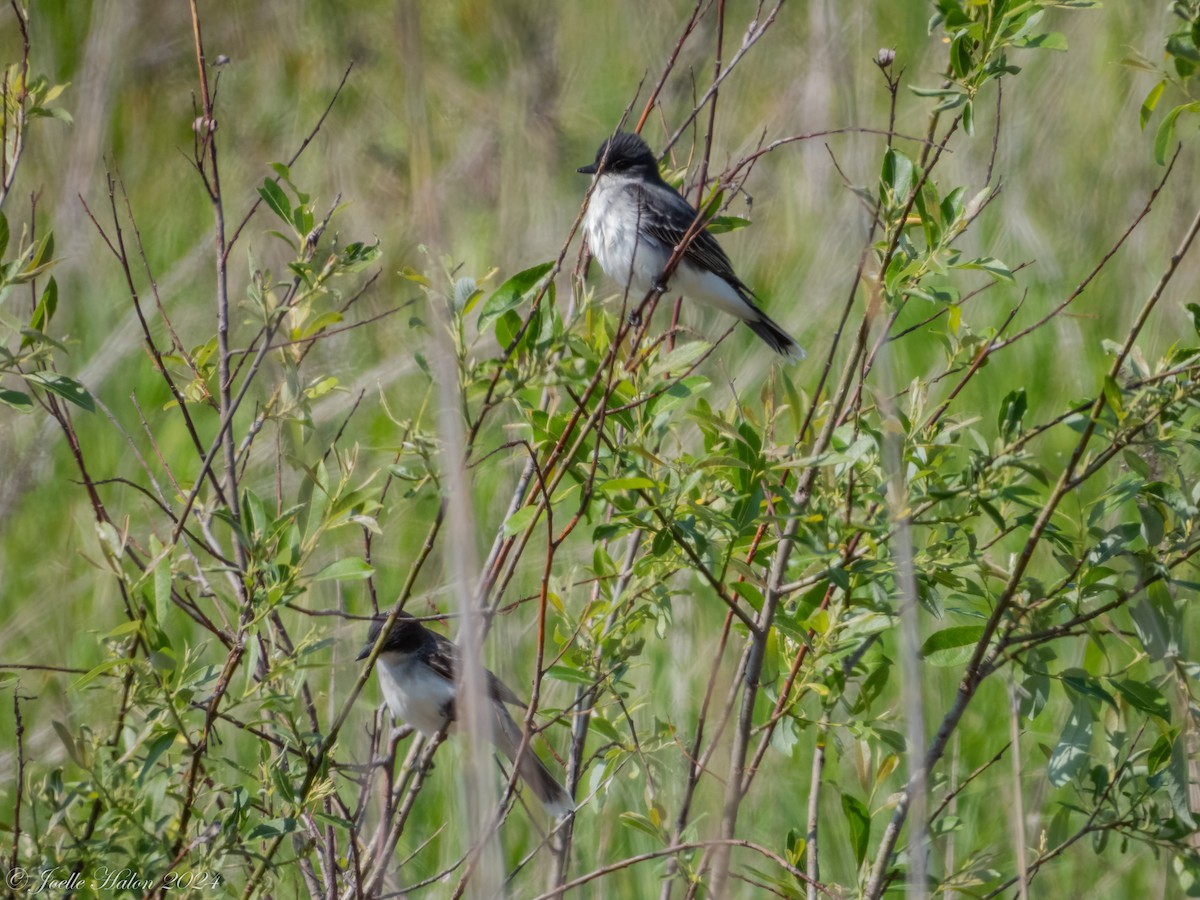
(418,670)
(635,220)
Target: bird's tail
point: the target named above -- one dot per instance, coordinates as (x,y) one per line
(553,796)
(777,339)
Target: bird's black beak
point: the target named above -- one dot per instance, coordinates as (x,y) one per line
(365,651)
(589,169)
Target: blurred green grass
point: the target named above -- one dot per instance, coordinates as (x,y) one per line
(459,131)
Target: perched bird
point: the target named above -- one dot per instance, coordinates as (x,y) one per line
(635,220)
(417,671)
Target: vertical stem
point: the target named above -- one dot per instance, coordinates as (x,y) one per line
(910,639)
(206,135)
(1018,807)
(20,736)
(473,708)
(812,864)
(949,892)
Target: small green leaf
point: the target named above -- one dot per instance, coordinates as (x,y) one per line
(1150,103)
(275,198)
(1051,40)
(1072,751)
(162,582)
(107,666)
(951,646)
(411,274)
(572,676)
(631,483)
(1012,413)
(511,294)
(1144,697)
(17,400)
(1160,753)
(68,741)
(897,175)
(156,749)
(519,521)
(641,823)
(722,224)
(1165,136)
(1194,309)
(274,828)
(46,307)
(859,820)
(992,266)
(1112,394)
(352,568)
(67,388)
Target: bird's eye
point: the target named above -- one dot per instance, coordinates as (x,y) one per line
(620,165)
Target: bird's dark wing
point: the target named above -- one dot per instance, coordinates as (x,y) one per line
(442,657)
(668,218)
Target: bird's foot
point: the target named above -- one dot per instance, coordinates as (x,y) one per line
(635,318)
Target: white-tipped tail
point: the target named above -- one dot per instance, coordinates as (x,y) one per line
(778,339)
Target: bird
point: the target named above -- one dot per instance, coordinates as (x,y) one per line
(635,220)
(417,670)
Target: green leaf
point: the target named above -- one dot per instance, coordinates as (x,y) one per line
(352,568)
(897,175)
(631,483)
(1194,309)
(1181,45)
(510,295)
(1177,783)
(1051,40)
(1074,744)
(1144,697)
(68,741)
(572,676)
(960,54)
(992,266)
(859,821)
(1083,684)
(17,400)
(1012,413)
(507,328)
(107,666)
(275,198)
(274,828)
(1150,103)
(722,224)
(951,646)
(1153,618)
(67,388)
(162,582)
(156,749)
(1165,136)
(1160,753)
(1112,394)
(519,521)
(4,234)
(411,274)
(46,306)
(641,823)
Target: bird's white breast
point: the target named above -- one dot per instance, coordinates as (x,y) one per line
(414,692)
(611,227)
(610,224)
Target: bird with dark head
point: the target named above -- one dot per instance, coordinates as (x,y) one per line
(634,222)
(418,673)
